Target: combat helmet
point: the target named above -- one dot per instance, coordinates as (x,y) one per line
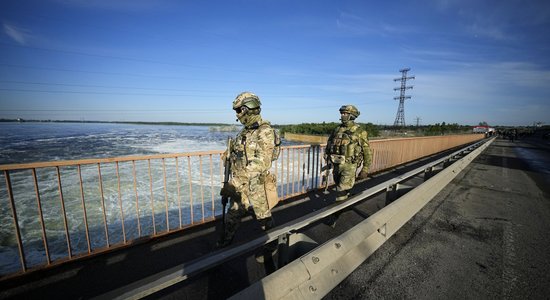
(247,99)
(350,109)
(247,107)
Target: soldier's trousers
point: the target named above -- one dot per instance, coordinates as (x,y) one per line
(252,197)
(344,177)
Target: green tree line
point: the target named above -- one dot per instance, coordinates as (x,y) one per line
(376,130)
(322,128)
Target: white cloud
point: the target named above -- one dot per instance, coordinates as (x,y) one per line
(21,36)
(496,20)
(359,26)
(521,74)
(510,93)
(488,31)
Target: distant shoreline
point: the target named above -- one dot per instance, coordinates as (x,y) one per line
(113,122)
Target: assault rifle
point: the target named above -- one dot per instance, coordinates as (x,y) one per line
(227,171)
(325,179)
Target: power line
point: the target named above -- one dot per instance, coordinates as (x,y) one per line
(209,79)
(100,93)
(97,86)
(188,92)
(237,39)
(122,58)
(133,59)
(114,109)
(121,74)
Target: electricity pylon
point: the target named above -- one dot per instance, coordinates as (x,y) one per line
(400,117)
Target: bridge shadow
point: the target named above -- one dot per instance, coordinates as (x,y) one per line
(102,273)
(524,162)
(95,275)
(529,144)
(504,162)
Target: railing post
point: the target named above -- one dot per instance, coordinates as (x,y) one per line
(315,166)
(152,198)
(64,212)
(15,222)
(84,210)
(103,204)
(41,215)
(137,198)
(120,204)
(309,166)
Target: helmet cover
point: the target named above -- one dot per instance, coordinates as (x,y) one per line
(248,99)
(350,109)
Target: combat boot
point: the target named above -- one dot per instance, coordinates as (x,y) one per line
(232,223)
(342,196)
(227,237)
(269,249)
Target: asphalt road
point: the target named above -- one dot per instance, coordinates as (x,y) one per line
(485,236)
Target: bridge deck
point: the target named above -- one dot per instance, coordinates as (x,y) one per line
(483,235)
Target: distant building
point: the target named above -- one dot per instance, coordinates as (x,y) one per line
(483,129)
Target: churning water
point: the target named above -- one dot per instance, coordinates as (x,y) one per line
(35,142)
(31,142)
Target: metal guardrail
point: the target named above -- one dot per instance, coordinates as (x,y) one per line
(53,212)
(323,261)
(319,271)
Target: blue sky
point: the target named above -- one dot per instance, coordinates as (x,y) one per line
(185,61)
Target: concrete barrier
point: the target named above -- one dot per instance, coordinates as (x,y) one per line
(316,273)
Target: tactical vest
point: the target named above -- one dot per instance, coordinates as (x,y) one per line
(245,140)
(345,142)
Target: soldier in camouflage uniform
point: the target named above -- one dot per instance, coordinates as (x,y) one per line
(250,157)
(348,148)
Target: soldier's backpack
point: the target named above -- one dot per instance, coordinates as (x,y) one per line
(276,141)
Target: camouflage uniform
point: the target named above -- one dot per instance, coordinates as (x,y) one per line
(347,148)
(250,156)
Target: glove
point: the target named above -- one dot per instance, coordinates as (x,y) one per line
(228,190)
(363,174)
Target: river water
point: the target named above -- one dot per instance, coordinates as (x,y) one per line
(36,142)
(31,142)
